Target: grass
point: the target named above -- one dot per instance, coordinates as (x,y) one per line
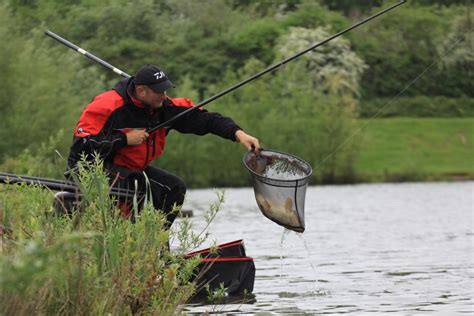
(416,149)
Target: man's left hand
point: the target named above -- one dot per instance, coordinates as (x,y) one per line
(250,142)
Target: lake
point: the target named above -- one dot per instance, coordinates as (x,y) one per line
(370,248)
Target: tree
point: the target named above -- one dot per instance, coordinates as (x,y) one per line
(352,8)
(335,58)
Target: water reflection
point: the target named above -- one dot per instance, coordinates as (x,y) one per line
(404,248)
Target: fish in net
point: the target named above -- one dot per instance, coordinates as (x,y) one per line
(280,182)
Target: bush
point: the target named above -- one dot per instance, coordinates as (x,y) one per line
(47,89)
(402,44)
(44,161)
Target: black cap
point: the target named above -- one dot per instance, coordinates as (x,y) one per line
(153,77)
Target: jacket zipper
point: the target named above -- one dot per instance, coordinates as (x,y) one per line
(153,142)
(147,146)
(146,157)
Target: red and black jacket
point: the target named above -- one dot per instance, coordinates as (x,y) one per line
(104,122)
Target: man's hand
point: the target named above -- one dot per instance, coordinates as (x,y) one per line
(250,142)
(136,137)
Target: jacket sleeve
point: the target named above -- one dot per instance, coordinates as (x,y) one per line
(104,145)
(201,122)
(94,131)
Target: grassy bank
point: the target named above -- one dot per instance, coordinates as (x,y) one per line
(399,149)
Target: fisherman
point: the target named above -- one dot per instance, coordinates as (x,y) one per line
(115,125)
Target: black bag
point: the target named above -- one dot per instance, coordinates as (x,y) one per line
(229,266)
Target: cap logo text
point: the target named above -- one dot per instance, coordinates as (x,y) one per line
(158,75)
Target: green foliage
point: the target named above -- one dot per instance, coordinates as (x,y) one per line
(257,40)
(336,152)
(92,262)
(400,45)
(312,15)
(45,92)
(333,59)
(266,8)
(352,8)
(8,56)
(44,161)
(216,295)
(122,33)
(458,51)
(440,2)
(419,106)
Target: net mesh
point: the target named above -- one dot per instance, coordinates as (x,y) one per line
(280,182)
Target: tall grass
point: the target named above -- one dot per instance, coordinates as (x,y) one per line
(94,261)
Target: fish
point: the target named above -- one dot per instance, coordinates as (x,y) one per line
(282,213)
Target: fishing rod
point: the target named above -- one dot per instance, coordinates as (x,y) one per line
(235,86)
(54,184)
(86,53)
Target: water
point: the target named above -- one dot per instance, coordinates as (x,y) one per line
(283,236)
(403,248)
(277,166)
(300,236)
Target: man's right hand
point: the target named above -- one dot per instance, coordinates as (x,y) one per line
(136,137)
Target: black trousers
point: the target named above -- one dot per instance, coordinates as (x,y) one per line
(167,190)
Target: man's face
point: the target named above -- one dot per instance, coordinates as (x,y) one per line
(150,97)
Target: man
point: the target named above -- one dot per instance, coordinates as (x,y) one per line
(114,125)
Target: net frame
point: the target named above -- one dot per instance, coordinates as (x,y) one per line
(297,184)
